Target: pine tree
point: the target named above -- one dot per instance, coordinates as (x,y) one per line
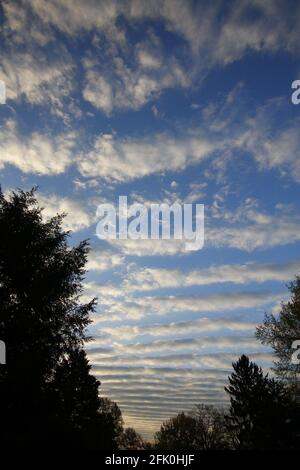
(261,413)
(47,394)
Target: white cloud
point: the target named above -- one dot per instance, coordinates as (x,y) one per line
(158,278)
(220,302)
(273,146)
(194,361)
(36,153)
(38,79)
(98,91)
(116,85)
(247,231)
(77,217)
(195,344)
(125,160)
(212,37)
(148,60)
(280,231)
(150,247)
(73,16)
(103,260)
(105,292)
(198,23)
(143,307)
(19,25)
(202,325)
(120,160)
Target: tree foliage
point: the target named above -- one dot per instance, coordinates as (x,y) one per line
(262,414)
(281,331)
(211,430)
(202,429)
(177,433)
(47,394)
(131,440)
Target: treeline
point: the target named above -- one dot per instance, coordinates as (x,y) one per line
(264,411)
(50,399)
(263,415)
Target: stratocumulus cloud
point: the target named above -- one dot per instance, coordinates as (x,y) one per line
(166,102)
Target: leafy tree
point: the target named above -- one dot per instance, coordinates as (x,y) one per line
(177,433)
(131,440)
(262,415)
(211,430)
(47,395)
(203,429)
(281,331)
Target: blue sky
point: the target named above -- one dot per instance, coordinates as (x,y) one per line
(162,101)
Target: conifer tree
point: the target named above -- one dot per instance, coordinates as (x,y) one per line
(47,395)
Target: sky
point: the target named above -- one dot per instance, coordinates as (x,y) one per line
(162,101)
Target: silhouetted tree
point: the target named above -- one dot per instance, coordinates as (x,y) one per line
(281,331)
(112,423)
(47,395)
(262,415)
(131,440)
(202,429)
(211,430)
(177,433)
(73,395)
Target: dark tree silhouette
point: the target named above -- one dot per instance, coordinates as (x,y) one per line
(73,395)
(202,429)
(211,430)
(262,414)
(177,433)
(281,331)
(131,440)
(47,395)
(111,423)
